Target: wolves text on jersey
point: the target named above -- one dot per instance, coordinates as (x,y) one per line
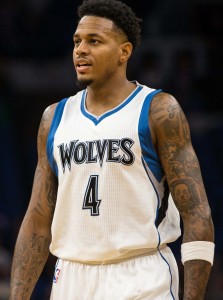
(115,150)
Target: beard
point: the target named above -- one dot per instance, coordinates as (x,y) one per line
(83,84)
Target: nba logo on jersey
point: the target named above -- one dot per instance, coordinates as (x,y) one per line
(56,275)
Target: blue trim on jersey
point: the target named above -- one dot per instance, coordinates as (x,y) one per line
(95,120)
(158,198)
(159,240)
(171,276)
(50,140)
(148,151)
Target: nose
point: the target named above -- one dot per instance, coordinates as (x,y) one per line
(81,48)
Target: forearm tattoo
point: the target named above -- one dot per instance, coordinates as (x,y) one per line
(29,259)
(196,273)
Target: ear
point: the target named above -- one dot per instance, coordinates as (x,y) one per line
(125,51)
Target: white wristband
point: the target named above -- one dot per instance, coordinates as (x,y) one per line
(201,250)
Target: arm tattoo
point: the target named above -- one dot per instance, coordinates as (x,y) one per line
(178,157)
(48,187)
(29,259)
(184,178)
(196,273)
(32,246)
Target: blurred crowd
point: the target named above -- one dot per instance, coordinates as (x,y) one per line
(181,53)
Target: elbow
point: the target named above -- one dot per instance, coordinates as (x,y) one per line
(207,228)
(198,227)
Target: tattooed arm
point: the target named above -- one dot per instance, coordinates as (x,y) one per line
(171,137)
(32,246)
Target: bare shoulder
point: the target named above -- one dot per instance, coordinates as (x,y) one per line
(47,116)
(49,111)
(168,120)
(164,106)
(45,123)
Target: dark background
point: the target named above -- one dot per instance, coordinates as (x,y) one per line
(181,53)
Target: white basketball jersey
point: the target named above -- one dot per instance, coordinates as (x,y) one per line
(111,185)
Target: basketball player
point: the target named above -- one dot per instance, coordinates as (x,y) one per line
(107,159)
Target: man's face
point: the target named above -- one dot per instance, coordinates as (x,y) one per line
(96,50)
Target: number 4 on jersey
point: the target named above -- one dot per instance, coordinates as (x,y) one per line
(91,196)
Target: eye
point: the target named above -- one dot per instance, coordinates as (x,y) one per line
(93,41)
(77,42)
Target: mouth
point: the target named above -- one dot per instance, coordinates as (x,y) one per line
(82,67)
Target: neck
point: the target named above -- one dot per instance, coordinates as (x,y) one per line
(106,97)
(109,91)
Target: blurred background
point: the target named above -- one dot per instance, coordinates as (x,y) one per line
(181,52)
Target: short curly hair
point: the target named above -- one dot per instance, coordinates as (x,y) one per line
(122,16)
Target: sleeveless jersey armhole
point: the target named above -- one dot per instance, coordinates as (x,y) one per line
(149,154)
(53,128)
